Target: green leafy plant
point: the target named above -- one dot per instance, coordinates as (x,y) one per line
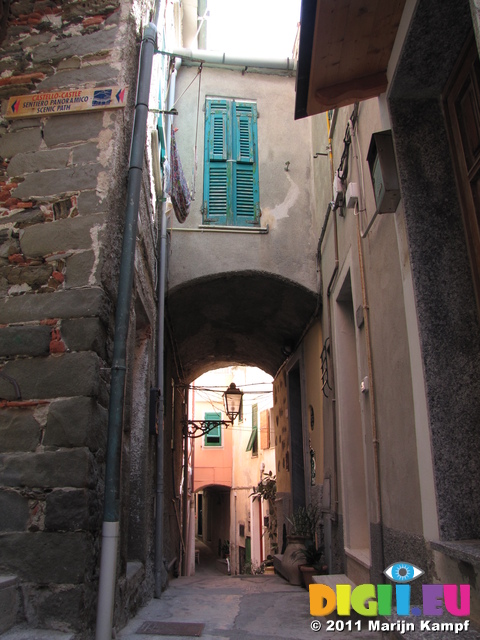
(267,489)
(225,548)
(304,521)
(310,555)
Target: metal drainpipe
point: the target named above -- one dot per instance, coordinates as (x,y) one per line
(221,59)
(110,529)
(160,489)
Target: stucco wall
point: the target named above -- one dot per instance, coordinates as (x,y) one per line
(288,249)
(376,289)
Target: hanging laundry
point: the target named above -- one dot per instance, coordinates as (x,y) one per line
(176,185)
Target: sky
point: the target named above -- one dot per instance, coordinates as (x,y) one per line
(265,28)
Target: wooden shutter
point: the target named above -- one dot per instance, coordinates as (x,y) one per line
(265,429)
(246,192)
(214,437)
(217,197)
(231,192)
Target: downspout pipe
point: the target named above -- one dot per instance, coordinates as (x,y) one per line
(110,528)
(162,271)
(228,60)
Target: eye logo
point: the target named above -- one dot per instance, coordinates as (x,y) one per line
(403,572)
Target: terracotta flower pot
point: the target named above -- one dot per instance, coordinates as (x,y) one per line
(292,559)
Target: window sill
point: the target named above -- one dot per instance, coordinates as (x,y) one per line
(223,229)
(232,228)
(464,550)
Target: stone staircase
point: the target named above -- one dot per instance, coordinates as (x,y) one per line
(9,603)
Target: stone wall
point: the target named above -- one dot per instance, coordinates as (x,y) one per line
(62,190)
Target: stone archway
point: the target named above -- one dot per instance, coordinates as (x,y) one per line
(251,318)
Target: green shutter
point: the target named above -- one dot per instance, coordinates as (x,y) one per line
(214,437)
(218,130)
(246,196)
(253,441)
(216,189)
(244,131)
(231,193)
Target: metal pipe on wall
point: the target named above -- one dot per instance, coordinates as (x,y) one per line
(110,528)
(225,59)
(162,270)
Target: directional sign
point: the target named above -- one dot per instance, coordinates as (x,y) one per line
(68,101)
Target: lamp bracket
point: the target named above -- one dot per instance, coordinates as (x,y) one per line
(198,428)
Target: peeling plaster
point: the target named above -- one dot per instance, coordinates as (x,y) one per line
(95,235)
(40,414)
(103,184)
(105,142)
(19,288)
(282,210)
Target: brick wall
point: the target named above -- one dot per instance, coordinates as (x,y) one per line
(62,188)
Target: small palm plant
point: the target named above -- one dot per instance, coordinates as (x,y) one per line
(311,555)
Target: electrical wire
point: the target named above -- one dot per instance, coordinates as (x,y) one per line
(195,157)
(199,71)
(342,170)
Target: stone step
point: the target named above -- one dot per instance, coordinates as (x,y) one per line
(333,579)
(8,601)
(23,632)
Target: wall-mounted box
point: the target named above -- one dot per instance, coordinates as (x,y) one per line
(383,170)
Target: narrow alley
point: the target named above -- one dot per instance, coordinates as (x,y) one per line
(239,319)
(213,605)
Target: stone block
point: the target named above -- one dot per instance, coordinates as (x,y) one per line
(79,269)
(76,422)
(22,141)
(84,334)
(46,557)
(85,153)
(35,276)
(60,235)
(101,73)
(72,510)
(75,127)
(22,163)
(58,181)
(61,607)
(61,304)
(24,341)
(26,218)
(19,431)
(56,376)
(14,512)
(75,46)
(89,202)
(9,602)
(48,469)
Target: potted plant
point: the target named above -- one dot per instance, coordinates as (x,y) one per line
(311,564)
(304,522)
(303,525)
(225,549)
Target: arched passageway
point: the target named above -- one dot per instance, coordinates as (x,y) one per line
(250,318)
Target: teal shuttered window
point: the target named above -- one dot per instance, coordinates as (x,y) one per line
(231,192)
(214,437)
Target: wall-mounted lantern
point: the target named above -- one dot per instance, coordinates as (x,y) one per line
(233,401)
